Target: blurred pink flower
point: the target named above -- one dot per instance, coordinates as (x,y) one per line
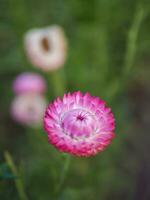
(29,82)
(28,109)
(79,124)
(46,47)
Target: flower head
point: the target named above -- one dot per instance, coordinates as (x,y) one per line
(79,124)
(28,109)
(46,47)
(29,82)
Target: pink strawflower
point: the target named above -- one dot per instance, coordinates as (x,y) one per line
(29,82)
(79,124)
(46,47)
(28,109)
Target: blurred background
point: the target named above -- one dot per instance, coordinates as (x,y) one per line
(109,56)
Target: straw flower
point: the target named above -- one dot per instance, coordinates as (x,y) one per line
(29,82)
(46,47)
(79,124)
(28,109)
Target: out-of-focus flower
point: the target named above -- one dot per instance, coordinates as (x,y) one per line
(46,47)
(79,124)
(28,109)
(29,82)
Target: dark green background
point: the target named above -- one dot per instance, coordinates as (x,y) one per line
(109,56)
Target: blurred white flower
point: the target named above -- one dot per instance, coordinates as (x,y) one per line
(28,109)
(46,47)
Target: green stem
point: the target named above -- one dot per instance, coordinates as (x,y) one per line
(118,84)
(63,176)
(58,83)
(18,182)
(132,39)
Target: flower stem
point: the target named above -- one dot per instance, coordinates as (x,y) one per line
(18,182)
(132,39)
(117,85)
(58,83)
(63,175)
